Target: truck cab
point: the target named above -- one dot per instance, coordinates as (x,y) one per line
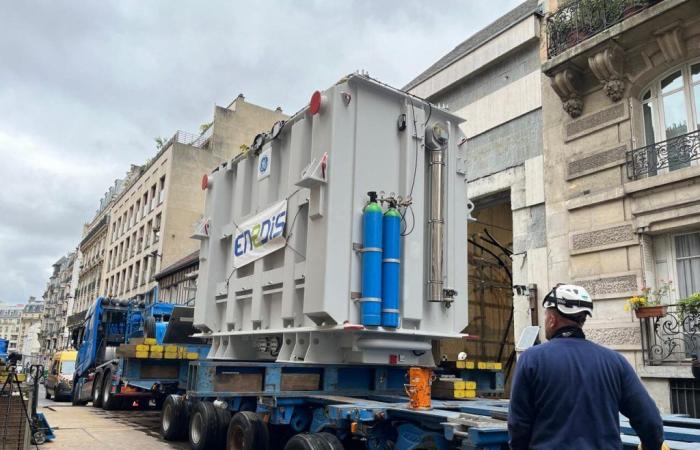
(111,372)
(104,329)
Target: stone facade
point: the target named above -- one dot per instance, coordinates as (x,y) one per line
(612,222)
(29,344)
(58,305)
(11,325)
(92,250)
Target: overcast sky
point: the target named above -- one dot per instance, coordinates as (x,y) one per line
(85,86)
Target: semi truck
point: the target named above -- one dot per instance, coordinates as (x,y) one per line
(124,353)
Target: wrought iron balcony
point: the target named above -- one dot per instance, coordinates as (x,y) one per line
(671,154)
(578,20)
(671,339)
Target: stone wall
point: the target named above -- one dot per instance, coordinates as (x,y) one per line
(597,215)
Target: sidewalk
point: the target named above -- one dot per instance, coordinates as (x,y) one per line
(85,427)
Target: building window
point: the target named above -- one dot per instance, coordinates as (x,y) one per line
(677,258)
(156,229)
(685,397)
(161,189)
(153,197)
(687,248)
(671,108)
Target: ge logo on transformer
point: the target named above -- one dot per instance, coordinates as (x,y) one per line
(264,161)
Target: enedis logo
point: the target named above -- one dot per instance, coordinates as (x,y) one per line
(261,233)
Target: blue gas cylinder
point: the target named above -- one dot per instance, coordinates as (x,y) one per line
(371,301)
(391,260)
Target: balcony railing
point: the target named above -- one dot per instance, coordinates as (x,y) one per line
(671,339)
(578,20)
(671,154)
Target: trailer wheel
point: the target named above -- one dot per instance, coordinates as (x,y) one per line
(223,418)
(331,440)
(173,418)
(75,397)
(308,441)
(97,391)
(247,431)
(109,402)
(203,426)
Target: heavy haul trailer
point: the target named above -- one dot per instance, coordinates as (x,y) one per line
(123,353)
(333,252)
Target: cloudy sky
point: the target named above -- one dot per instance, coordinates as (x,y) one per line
(85,86)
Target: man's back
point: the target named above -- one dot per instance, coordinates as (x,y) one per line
(568,393)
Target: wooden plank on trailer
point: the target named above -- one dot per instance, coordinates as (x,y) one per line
(238,382)
(159,371)
(300,382)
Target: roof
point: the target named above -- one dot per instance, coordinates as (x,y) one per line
(188,261)
(479,38)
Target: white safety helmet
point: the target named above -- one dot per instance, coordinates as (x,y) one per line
(569,299)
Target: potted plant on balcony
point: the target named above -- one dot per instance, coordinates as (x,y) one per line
(690,306)
(649,302)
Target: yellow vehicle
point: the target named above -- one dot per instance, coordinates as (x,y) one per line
(59,381)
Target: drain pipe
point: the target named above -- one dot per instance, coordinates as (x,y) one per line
(436,141)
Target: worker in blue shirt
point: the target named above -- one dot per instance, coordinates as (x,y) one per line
(568,393)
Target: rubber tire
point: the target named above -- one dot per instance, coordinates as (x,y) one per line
(204,413)
(247,431)
(75,395)
(47,396)
(149,327)
(176,407)
(223,418)
(306,441)
(331,440)
(109,402)
(97,388)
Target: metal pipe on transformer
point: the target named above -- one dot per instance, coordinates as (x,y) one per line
(436,141)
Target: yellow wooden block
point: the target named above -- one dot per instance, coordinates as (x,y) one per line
(169,355)
(469,394)
(469,365)
(142,354)
(470,385)
(192,355)
(481,365)
(497,366)
(142,348)
(459,384)
(461,364)
(150,341)
(157,348)
(170,348)
(155,355)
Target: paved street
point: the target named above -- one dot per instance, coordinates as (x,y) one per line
(85,427)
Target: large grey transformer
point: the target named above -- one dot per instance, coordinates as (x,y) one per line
(280,274)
